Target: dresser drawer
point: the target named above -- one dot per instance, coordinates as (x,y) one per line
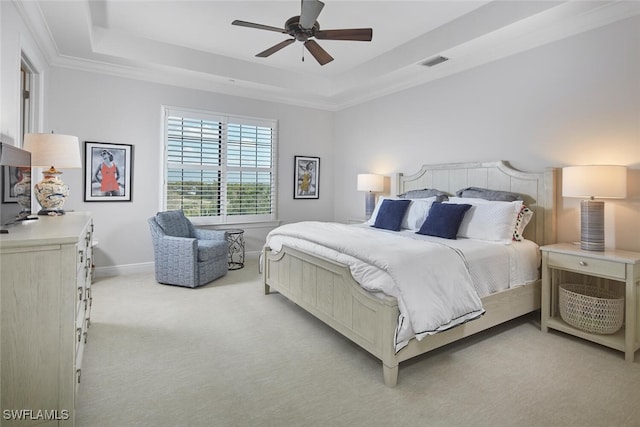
(592,266)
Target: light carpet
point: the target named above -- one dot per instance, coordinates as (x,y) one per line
(227,355)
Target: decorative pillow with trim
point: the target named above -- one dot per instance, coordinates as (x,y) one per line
(524,217)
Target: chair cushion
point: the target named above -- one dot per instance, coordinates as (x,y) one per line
(174,223)
(211,249)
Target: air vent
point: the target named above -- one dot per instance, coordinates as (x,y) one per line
(434,61)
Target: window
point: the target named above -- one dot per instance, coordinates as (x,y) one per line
(220,168)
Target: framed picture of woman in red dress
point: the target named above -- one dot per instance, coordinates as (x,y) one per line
(108,172)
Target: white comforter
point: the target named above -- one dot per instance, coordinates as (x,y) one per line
(449,299)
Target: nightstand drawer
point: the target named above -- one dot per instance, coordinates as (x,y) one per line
(596,267)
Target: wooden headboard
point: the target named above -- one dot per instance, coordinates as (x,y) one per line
(537,189)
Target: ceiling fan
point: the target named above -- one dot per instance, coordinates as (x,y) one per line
(305,27)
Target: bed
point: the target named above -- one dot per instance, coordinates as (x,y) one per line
(327,288)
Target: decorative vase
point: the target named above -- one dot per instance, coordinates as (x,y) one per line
(51,192)
(22,190)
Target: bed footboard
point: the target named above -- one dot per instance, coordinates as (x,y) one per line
(328,291)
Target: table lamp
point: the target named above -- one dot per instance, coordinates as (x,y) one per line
(49,149)
(370,183)
(591,182)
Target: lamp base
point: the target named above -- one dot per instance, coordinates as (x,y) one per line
(369,204)
(592,225)
(51,193)
(51,212)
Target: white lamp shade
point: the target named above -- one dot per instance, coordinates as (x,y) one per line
(597,181)
(370,182)
(48,149)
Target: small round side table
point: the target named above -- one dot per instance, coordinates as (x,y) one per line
(235,239)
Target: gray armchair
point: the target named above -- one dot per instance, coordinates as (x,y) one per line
(185,255)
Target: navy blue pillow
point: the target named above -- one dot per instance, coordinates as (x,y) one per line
(391,213)
(444,220)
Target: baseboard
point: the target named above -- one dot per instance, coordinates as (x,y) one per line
(145,267)
(125,269)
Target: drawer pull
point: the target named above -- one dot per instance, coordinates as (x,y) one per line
(81,256)
(78,373)
(79,331)
(79,293)
(583,263)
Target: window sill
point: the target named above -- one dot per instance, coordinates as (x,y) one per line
(241,224)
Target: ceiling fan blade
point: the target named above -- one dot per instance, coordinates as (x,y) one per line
(355,34)
(274,49)
(318,52)
(310,11)
(258,26)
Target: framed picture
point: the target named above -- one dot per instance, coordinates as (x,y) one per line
(306,177)
(108,172)
(11,176)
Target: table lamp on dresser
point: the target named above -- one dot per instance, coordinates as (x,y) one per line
(55,150)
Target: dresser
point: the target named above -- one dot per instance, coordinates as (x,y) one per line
(45,284)
(610,268)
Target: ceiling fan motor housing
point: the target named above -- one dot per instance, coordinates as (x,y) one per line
(295,30)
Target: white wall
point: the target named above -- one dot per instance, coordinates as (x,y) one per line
(104,108)
(573,102)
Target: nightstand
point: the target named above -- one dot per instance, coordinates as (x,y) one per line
(616,265)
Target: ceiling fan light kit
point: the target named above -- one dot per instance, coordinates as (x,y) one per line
(304,28)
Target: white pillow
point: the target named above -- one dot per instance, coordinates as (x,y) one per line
(414,217)
(417,213)
(468,200)
(488,220)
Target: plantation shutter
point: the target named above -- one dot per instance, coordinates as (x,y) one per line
(220,167)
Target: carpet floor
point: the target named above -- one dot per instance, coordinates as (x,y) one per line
(227,355)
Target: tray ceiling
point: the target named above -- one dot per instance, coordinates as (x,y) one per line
(193,44)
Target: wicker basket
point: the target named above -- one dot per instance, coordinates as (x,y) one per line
(591,309)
